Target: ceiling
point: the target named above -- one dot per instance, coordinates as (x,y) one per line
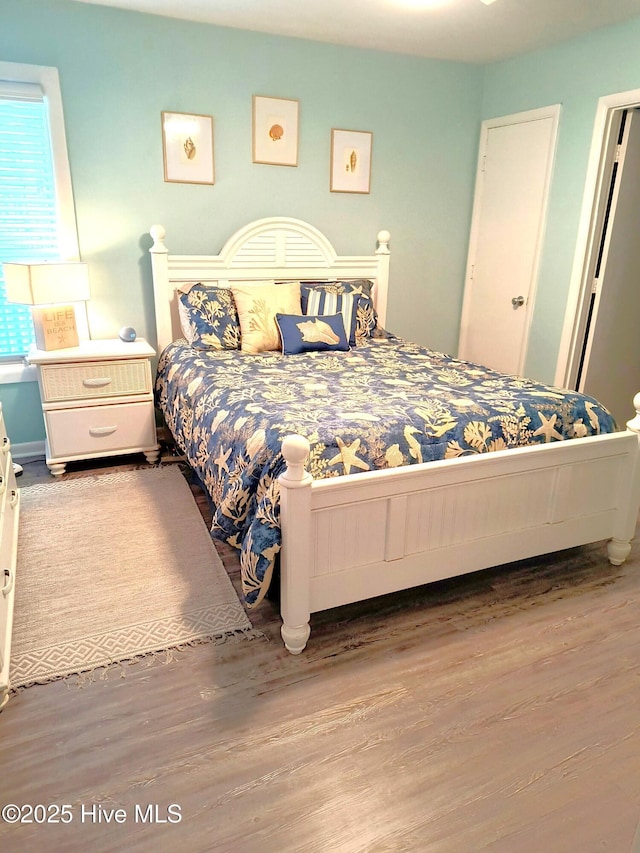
(461,30)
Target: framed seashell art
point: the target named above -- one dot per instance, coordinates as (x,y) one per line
(187,148)
(275,131)
(350,161)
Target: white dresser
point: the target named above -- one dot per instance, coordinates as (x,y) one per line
(97,400)
(9,514)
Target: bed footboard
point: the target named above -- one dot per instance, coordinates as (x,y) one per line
(351,538)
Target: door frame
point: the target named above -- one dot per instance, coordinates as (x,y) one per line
(603,145)
(553,112)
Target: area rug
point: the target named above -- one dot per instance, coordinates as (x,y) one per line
(112,567)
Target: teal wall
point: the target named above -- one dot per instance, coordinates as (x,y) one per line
(22,412)
(120,69)
(575,74)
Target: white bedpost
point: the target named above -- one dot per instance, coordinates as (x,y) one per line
(160,274)
(619,547)
(382,283)
(295,520)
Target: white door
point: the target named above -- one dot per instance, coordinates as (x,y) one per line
(512,186)
(611,364)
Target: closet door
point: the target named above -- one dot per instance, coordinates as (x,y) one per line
(611,365)
(512,187)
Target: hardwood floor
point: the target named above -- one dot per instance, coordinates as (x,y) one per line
(497,712)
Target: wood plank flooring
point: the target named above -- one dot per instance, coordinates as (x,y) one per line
(497,712)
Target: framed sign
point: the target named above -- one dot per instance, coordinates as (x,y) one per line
(187,148)
(275,131)
(350,161)
(55,326)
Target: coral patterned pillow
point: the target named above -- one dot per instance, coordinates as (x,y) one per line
(208,317)
(257,306)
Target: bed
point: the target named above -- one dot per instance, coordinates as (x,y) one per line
(362,470)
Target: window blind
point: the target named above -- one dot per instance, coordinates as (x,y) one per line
(28,202)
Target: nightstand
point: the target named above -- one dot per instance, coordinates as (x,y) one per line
(97,400)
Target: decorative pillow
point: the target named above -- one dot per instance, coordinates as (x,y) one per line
(257,306)
(317,301)
(208,317)
(366,317)
(300,333)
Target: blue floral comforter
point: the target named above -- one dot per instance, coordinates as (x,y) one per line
(381,405)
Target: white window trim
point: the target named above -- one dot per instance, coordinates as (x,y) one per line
(18,371)
(48,78)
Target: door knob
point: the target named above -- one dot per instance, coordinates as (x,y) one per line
(517,301)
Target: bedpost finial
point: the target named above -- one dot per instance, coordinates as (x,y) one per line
(634,423)
(383,243)
(158,234)
(295,449)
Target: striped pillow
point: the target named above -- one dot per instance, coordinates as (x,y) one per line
(317,302)
(366,317)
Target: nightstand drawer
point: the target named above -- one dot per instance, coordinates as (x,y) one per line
(101,430)
(103,379)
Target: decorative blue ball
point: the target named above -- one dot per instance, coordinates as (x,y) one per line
(127,334)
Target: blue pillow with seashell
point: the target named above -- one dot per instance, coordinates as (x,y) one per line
(366,319)
(208,316)
(302,333)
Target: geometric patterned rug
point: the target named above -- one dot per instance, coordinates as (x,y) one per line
(112,567)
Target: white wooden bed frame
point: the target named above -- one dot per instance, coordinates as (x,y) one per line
(423,522)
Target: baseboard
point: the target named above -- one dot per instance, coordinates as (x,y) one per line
(28,449)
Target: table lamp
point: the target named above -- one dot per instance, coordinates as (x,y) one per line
(49,286)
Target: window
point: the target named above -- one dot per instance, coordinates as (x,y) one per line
(37,219)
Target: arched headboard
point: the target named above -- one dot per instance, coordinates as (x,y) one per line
(278,248)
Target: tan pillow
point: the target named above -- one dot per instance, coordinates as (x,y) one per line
(257,306)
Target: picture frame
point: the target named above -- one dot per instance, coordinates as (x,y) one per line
(187,148)
(275,131)
(350,161)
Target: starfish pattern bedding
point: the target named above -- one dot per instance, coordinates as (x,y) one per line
(383,404)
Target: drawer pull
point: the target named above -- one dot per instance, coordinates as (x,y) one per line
(97,383)
(96,432)
(3,484)
(8,581)
(13,500)
(6,444)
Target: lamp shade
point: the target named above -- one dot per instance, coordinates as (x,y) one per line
(45,283)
